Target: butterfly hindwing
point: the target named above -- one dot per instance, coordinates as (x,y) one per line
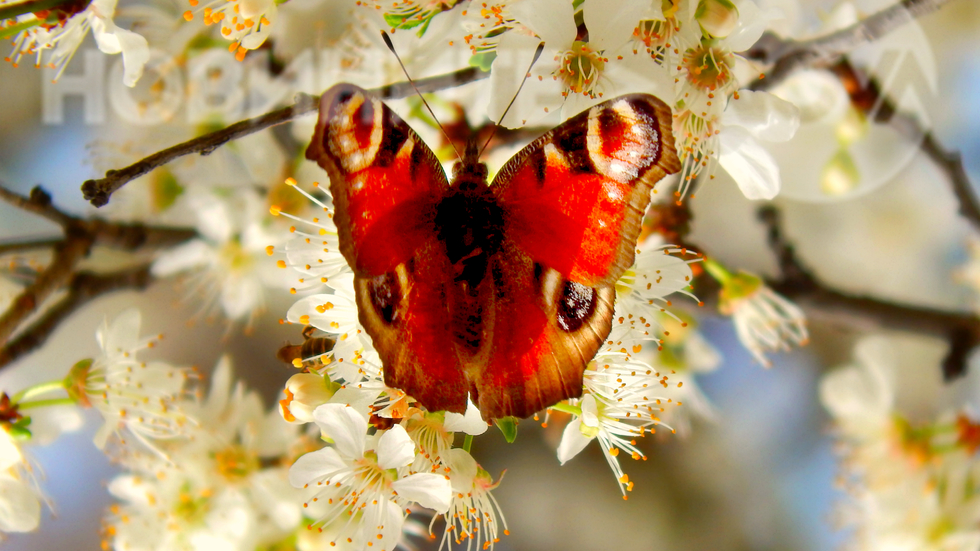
(545,330)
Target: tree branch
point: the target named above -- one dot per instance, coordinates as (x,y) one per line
(31,245)
(878,106)
(798,283)
(84,287)
(79,237)
(99,191)
(57,273)
(788,55)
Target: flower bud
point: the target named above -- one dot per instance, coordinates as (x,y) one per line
(718,18)
(304,393)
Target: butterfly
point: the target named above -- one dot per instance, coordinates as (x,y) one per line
(500,292)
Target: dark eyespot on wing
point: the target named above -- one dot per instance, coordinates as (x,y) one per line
(385,294)
(574,146)
(576,305)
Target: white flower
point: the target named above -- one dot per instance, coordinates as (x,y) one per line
(602,421)
(64,37)
(229,263)
(304,393)
(20,504)
(315,253)
(215,492)
(764,320)
(472,517)
(138,397)
(365,478)
(246,23)
(571,75)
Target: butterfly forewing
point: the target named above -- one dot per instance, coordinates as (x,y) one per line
(385,182)
(574,198)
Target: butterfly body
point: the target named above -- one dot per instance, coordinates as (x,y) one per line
(499,291)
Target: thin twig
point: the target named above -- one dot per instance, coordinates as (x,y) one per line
(31,245)
(961,329)
(84,287)
(789,55)
(110,234)
(98,191)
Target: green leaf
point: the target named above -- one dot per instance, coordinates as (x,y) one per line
(508,427)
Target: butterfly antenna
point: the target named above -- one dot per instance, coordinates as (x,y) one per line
(387,39)
(537,54)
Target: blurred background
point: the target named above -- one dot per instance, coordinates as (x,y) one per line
(760,477)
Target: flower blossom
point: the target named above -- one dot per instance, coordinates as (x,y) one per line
(363,480)
(216,491)
(63,29)
(140,398)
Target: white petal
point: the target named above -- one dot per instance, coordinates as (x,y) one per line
(428,490)
(572,441)
(471,422)
(345,426)
(312,466)
(612,26)
(386,515)
(190,255)
(749,164)
(20,510)
(462,469)
(123,333)
(251,8)
(864,391)
(9,452)
(135,52)
(552,20)
(395,448)
(221,379)
(590,411)
(751,25)
(241,295)
(764,115)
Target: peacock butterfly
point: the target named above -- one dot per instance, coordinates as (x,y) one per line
(503,292)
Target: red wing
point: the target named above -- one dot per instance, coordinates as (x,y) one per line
(574,198)
(405,312)
(545,330)
(385,182)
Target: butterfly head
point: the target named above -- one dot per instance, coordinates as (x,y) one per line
(469,173)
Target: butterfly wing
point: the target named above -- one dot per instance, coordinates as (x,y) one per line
(386,185)
(573,202)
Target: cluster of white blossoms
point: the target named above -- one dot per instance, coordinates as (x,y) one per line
(343,388)
(221,485)
(911,484)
